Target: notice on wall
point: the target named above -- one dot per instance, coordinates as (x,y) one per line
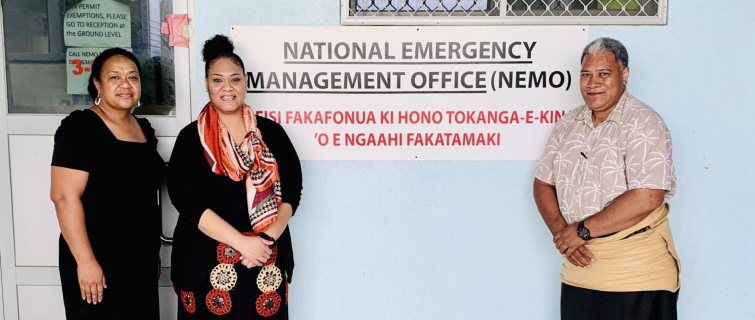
(98,23)
(413,93)
(79,68)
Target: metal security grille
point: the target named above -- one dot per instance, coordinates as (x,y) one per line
(474,12)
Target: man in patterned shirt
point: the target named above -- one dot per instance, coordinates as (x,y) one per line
(602,187)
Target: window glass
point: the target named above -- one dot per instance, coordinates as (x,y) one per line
(49,44)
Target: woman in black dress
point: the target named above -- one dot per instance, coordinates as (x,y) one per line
(105,175)
(235,179)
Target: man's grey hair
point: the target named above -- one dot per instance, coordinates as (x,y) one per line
(608,45)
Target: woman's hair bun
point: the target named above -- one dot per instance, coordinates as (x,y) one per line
(218,46)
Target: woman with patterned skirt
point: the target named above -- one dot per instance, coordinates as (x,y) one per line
(235,180)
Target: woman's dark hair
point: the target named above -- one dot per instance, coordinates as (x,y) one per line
(219,47)
(100,61)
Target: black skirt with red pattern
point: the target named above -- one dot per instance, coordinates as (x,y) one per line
(233,291)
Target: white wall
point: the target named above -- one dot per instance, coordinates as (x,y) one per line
(374,240)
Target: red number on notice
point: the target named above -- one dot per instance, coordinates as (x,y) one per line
(77,64)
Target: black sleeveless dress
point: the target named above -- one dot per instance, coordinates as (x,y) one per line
(121,214)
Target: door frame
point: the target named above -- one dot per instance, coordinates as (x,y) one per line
(7,250)
(45,124)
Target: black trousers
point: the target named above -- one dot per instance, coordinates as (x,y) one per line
(585,304)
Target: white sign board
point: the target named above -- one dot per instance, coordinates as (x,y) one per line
(98,23)
(405,93)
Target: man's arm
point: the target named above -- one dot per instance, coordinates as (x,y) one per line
(547,204)
(625,211)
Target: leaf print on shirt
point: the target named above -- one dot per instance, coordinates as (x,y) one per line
(632,149)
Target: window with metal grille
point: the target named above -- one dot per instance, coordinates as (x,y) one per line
(491,12)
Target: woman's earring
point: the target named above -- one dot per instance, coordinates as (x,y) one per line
(97,100)
(139,104)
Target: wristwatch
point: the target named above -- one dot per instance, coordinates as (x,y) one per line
(583,232)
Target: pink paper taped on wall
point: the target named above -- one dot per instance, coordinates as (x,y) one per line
(174,27)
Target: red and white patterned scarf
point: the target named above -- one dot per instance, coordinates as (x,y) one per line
(251,160)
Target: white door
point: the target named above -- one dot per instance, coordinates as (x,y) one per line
(40,40)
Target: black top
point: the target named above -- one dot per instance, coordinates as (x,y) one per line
(193,188)
(121,211)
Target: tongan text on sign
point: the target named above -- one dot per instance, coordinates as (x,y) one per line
(413,93)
